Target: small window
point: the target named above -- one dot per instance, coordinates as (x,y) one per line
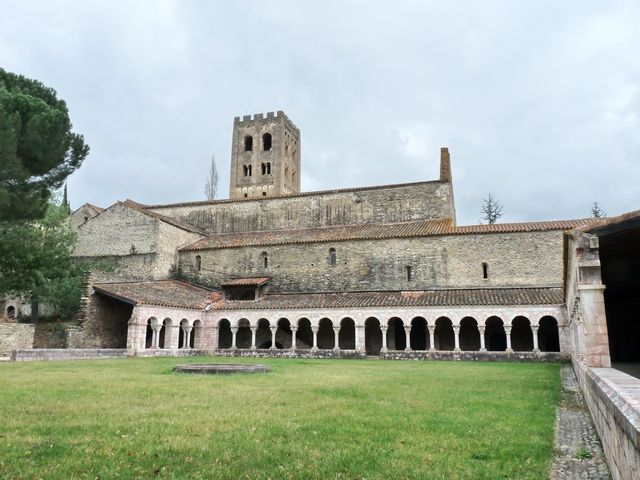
(247,170)
(11,311)
(198,263)
(332,256)
(264,168)
(264,194)
(408,271)
(248,143)
(266,141)
(485,271)
(245,195)
(268,168)
(265,260)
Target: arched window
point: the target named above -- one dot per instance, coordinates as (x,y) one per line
(265,259)
(198,263)
(11,311)
(332,256)
(264,168)
(485,270)
(266,141)
(248,143)
(268,168)
(247,170)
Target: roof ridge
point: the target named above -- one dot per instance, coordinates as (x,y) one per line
(139,207)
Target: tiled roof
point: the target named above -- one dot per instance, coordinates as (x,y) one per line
(424,228)
(171,221)
(246,282)
(164,293)
(414,298)
(607,222)
(289,195)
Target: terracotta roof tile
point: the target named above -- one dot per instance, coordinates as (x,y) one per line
(245,282)
(424,228)
(164,293)
(420,298)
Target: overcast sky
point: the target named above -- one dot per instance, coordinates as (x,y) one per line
(538,102)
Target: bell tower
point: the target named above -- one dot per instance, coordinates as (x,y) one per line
(265,156)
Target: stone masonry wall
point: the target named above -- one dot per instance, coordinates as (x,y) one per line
(514,259)
(15,336)
(419,201)
(105,325)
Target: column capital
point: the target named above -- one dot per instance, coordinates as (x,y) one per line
(315,328)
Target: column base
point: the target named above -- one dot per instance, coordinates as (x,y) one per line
(408,349)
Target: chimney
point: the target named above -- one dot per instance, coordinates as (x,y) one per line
(445,165)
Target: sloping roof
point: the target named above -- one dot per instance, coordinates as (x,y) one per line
(246,282)
(171,221)
(424,228)
(290,195)
(414,298)
(163,293)
(610,224)
(89,206)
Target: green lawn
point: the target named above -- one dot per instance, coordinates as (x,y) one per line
(324,419)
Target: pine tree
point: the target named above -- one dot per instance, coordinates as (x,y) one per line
(597,212)
(491,210)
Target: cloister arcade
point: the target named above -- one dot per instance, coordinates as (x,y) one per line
(370,333)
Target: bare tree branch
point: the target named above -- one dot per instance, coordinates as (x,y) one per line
(211,186)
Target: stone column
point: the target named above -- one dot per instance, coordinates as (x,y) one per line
(507,332)
(294,330)
(456,338)
(360,338)
(274,330)
(534,331)
(432,338)
(173,338)
(481,330)
(253,337)
(336,342)
(407,334)
(384,337)
(234,332)
(215,337)
(314,330)
(187,336)
(155,336)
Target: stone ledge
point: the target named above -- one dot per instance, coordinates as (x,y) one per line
(39,354)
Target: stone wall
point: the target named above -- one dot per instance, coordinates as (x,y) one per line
(66,354)
(399,203)
(105,325)
(514,259)
(611,396)
(50,335)
(15,336)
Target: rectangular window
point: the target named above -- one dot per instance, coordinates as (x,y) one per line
(408,270)
(485,271)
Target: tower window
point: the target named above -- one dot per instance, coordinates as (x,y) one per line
(332,256)
(408,272)
(485,270)
(265,259)
(247,170)
(264,168)
(248,143)
(264,194)
(266,141)
(198,263)
(268,168)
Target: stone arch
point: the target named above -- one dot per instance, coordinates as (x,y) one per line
(443,335)
(151,322)
(224,333)
(347,335)
(396,338)
(326,336)
(304,334)
(283,334)
(419,337)
(521,335)
(182,341)
(243,335)
(263,334)
(166,331)
(372,336)
(494,335)
(469,334)
(197,335)
(548,337)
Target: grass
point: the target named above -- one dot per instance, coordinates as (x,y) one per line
(324,419)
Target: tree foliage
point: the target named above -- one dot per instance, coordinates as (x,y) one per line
(596,211)
(37,148)
(211,186)
(36,263)
(491,210)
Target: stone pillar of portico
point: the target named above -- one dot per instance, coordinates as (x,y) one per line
(293,337)
(360,340)
(456,338)
(507,332)
(234,332)
(187,337)
(384,337)
(174,337)
(534,331)
(407,334)
(253,337)
(314,330)
(155,336)
(336,341)
(481,330)
(215,336)
(432,338)
(274,330)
